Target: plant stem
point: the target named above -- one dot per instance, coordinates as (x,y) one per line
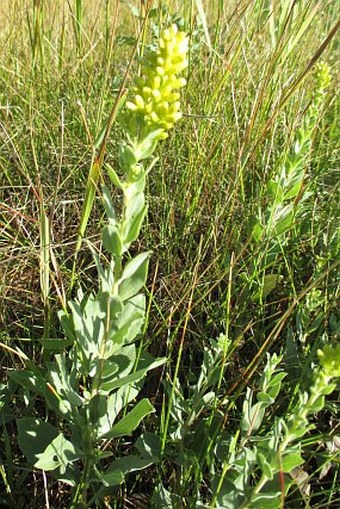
(80,497)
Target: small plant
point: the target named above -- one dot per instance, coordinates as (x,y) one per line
(248,468)
(285,196)
(253,462)
(89,387)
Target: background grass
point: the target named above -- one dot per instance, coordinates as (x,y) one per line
(250,81)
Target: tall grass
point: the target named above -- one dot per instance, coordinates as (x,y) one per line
(250,83)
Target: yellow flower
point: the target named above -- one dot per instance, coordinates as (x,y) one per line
(155,102)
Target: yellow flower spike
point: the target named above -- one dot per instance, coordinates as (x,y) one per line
(139,101)
(154,117)
(160,71)
(156,83)
(156,94)
(154,103)
(130,106)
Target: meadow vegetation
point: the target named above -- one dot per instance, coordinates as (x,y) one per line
(169,286)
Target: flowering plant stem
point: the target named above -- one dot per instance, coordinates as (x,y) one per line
(90,386)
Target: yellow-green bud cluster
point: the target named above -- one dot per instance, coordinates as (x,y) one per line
(329,358)
(155,100)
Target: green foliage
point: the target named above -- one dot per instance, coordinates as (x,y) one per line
(247,467)
(285,194)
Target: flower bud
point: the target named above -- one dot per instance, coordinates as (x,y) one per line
(154,104)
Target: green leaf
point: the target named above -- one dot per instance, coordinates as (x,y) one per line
(162,498)
(274,385)
(149,445)
(67,325)
(252,414)
(265,398)
(269,283)
(133,377)
(126,157)
(57,455)
(265,466)
(294,189)
(32,381)
(111,304)
(146,147)
(114,177)
(128,464)
(134,276)
(89,324)
(274,191)
(266,501)
(97,409)
(34,436)
(112,240)
(117,367)
(231,491)
(52,344)
(135,186)
(115,403)
(127,325)
(114,478)
(283,219)
(108,205)
(290,461)
(63,381)
(135,213)
(256,229)
(130,422)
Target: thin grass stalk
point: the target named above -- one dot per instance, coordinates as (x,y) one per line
(9,474)
(61,45)
(111,21)
(45,240)
(203,18)
(6,484)
(79,23)
(38,27)
(108,32)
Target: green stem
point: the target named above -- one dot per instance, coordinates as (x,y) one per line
(168,415)
(117,274)
(226,467)
(264,479)
(79,499)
